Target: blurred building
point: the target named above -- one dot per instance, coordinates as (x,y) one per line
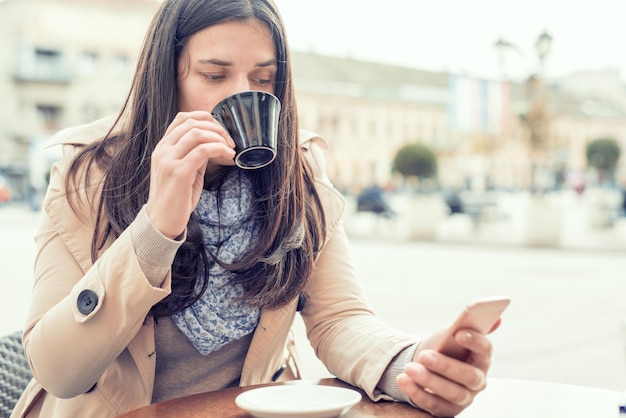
(62,63)
(367,111)
(67,62)
(586,106)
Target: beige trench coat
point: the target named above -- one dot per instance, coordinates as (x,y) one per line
(102,364)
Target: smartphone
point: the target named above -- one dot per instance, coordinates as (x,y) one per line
(480,315)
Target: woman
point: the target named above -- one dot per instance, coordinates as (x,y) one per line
(162,270)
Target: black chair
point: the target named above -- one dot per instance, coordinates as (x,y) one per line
(14,372)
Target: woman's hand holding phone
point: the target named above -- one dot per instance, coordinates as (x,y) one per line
(449,369)
(482,315)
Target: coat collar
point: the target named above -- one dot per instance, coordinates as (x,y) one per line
(84,134)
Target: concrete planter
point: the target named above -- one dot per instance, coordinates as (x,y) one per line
(603,207)
(543,222)
(423,215)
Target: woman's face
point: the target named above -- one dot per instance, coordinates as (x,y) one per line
(224,59)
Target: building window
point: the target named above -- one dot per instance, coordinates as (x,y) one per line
(328,124)
(48,117)
(88,63)
(48,63)
(90,112)
(120,64)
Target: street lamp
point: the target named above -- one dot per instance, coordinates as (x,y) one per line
(535,118)
(542,46)
(542,219)
(502,47)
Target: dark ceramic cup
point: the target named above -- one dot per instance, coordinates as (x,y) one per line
(251,119)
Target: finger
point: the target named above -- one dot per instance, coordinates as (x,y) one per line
(468,375)
(425,399)
(182,117)
(479,346)
(173,164)
(190,119)
(177,132)
(435,384)
(185,171)
(196,135)
(200,155)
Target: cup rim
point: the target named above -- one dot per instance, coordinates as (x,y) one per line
(256,147)
(242,94)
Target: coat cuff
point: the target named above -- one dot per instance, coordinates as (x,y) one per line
(389,381)
(155,252)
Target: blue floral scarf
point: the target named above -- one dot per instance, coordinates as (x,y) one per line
(229,231)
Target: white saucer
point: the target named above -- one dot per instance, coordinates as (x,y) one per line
(297,401)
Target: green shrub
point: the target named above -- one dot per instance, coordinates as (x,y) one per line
(415,160)
(603,155)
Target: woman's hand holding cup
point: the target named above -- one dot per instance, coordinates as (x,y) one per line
(178,165)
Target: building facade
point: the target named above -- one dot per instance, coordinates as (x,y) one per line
(67,62)
(367,111)
(62,63)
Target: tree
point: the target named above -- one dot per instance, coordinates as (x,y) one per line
(603,155)
(415,160)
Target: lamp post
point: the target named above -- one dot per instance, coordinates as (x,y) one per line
(543,219)
(502,48)
(542,46)
(535,118)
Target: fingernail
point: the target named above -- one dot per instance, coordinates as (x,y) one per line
(428,358)
(403,379)
(412,368)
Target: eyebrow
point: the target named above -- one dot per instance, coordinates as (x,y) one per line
(215,61)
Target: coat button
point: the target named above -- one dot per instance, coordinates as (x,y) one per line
(87,301)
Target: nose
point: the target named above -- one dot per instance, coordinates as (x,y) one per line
(242,83)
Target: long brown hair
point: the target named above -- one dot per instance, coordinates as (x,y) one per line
(287,207)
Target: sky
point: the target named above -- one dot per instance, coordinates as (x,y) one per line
(458,36)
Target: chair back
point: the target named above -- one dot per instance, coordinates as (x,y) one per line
(14,372)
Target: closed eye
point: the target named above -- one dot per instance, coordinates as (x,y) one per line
(262,81)
(213,77)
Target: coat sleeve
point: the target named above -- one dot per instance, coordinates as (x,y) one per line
(343,330)
(82,315)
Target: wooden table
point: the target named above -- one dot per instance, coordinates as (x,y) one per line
(503,398)
(221,404)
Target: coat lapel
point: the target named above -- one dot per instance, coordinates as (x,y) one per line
(266,352)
